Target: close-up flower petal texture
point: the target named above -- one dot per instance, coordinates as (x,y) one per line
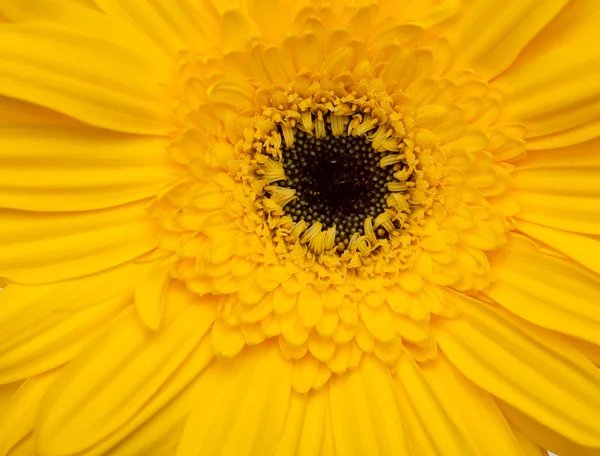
(299,227)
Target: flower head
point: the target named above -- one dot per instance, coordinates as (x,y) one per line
(310,227)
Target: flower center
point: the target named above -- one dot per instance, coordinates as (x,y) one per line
(338,181)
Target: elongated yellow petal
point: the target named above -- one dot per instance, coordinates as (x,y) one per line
(23,10)
(366,420)
(525,366)
(236,30)
(584,154)
(83,16)
(528,447)
(60,169)
(118,374)
(307,429)
(569,137)
(558,187)
(42,247)
(472,410)
(157,427)
(540,288)
(242,405)
(432,416)
(44,326)
(569,212)
(18,420)
(172,25)
(150,293)
(551,97)
(582,248)
(577,179)
(272,17)
(25,447)
(419,436)
(590,351)
(6,394)
(307,51)
(543,436)
(84,76)
(491,46)
(17,113)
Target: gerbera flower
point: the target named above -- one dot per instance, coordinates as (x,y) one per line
(306,227)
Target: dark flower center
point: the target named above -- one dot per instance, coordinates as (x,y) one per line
(338,181)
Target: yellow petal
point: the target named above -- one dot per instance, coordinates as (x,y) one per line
(236,31)
(291,351)
(44,326)
(242,405)
(249,291)
(527,367)
(543,436)
(83,16)
(160,435)
(156,428)
(399,70)
(7,391)
(307,51)
(305,373)
(580,247)
(411,330)
(227,340)
(119,374)
(491,46)
(398,300)
(271,18)
(419,436)
(59,169)
(528,448)
(20,113)
(173,27)
(310,307)
(364,338)
(560,184)
(340,360)
(472,410)
(328,324)
(552,85)
(283,302)
(581,155)
(293,330)
(379,322)
(25,447)
(85,76)
(366,420)
(278,65)
(567,137)
(576,179)
(19,419)
(540,288)
(307,425)
(41,247)
(569,212)
(590,351)
(431,414)
(150,293)
(321,348)
(232,92)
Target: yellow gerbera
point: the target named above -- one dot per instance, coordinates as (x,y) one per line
(299,227)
